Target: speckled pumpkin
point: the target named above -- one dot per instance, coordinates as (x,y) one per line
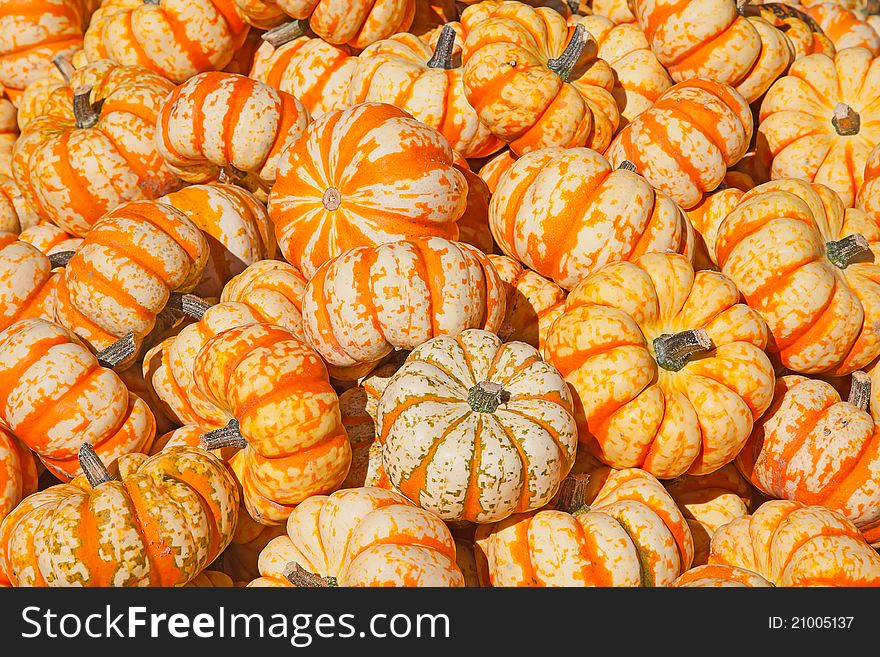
(18,473)
(720,575)
(799,259)
(846,28)
(357,23)
(565,212)
(26,281)
(50,239)
(15,213)
(360,177)
(625,345)
(804,33)
(793,544)
(159,522)
(369,301)
(361,537)
(8,131)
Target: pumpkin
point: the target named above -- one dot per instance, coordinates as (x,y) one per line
(617,10)
(565,212)
(793,544)
(473,225)
(317,73)
(684,144)
(360,177)
(804,33)
(533,302)
(15,213)
(361,431)
(816,123)
(639,77)
(404,71)
(98,128)
(56,395)
(8,132)
(845,28)
(712,39)
(360,537)
(536,83)
(236,226)
(34,31)
(707,215)
(709,501)
(125,270)
(868,198)
(720,575)
(195,135)
(625,344)
(800,261)
(18,473)
(262,14)
(175,38)
(50,239)
(26,281)
(474,429)
(625,532)
(54,75)
(812,447)
(282,412)
(356,23)
(359,307)
(160,522)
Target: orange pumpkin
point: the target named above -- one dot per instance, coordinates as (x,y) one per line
(50,239)
(868,198)
(360,177)
(357,23)
(262,14)
(802,30)
(495,167)
(845,28)
(8,132)
(720,575)
(617,10)
(625,345)
(18,473)
(54,75)
(26,281)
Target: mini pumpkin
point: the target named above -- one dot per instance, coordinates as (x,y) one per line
(358,23)
(720,575)
(18,473)
(846,28)
(26,281)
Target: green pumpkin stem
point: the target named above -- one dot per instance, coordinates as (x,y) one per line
(572,497)
(846,120)
(118,352)
(84,113)
(228,436)
(300,577)
(565,63)
(442,57)
(93,468)
(64,66)
(843,253)
(673,350)
(188,305)
(860,390)
(285,33)
(60,258)
(486,397)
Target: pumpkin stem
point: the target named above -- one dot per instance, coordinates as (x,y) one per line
(286,33)
(228,436)
(846,120)
(121,350)
(155,3)
(93,468)
(299,576)
(741,6)
(442,57)
(673,350)
(860,390)
(564,64)
(189,305)
(486,397)
(84,112)
(60,258)
(574,5)
(846,251)
(332,199)
(64,66)
(572,496)
(626,165)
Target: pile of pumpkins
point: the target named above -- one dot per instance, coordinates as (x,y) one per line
(437,293)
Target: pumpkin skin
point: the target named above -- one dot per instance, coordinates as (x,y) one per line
(363,537)
(15,213)
(406,72)
(632,409)
(53,76)
(799,135)
(369,301)
(531,106)
(115,154)
(80,402)
(18,473)
(463,456)
(358,23)
(317,73)
(631,534)
(711,39)
(360,177)
(720,575)
(793,544)
(125,269)
(236,226)
(495,167)
(196,137)
(278,390)
(174,38)
(617,10)
(26,281)
(8,131)
(805,34)
(262,14)
(160,524)
(707,215)
(560,213)
(685,142)
(845,28)
(50,239)
(868,198)
(814,448)
(773,244)
(533,302)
